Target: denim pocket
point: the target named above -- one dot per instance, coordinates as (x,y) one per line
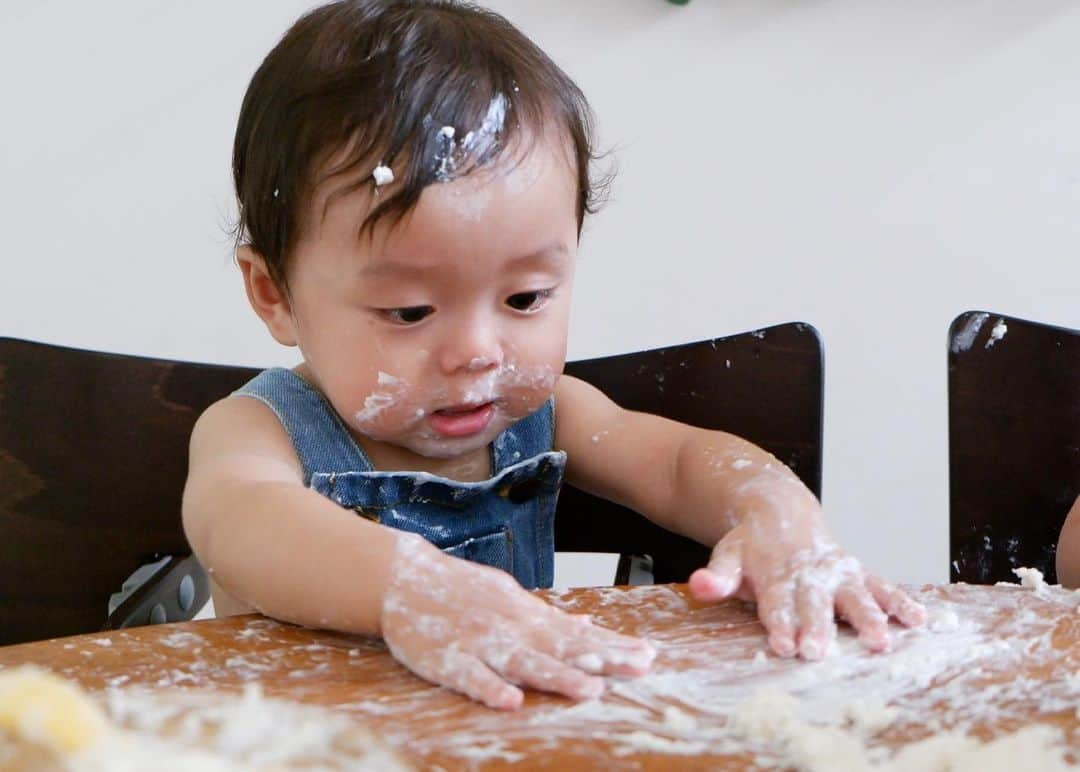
(493,549)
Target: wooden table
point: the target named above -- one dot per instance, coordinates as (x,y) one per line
(992,661)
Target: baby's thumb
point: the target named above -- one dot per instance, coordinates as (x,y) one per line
(722,577)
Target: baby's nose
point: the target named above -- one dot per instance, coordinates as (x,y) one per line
(473,349)
(481,363)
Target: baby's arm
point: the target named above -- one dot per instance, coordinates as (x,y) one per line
(291,553)
(771,544)
(269,541)
(1068,549)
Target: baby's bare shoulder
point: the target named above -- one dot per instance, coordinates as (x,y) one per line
(239,427)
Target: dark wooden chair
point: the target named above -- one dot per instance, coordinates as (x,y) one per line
(93,457)
(1014,443)
(766,386)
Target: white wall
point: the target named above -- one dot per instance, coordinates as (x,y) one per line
(871,167)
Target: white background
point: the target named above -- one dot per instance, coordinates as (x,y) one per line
(871,167)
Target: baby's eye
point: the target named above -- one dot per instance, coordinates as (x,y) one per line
(408,315)
(528,301)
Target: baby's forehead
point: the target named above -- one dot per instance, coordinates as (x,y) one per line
(346,191)
(520,204)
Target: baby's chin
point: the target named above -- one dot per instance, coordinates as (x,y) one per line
(449,447)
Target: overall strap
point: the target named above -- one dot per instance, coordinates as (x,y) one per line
(529,437)
(321,439)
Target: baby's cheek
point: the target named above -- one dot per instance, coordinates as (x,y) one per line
(537,375)
(382,408)
(519,407)
(521,401)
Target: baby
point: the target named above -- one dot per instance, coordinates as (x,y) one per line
(1068,549)
(412,178)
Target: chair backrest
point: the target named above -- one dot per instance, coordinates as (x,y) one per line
(766,386)
(1014,443)
(93,457)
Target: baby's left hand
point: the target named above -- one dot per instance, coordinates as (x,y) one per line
(781,556)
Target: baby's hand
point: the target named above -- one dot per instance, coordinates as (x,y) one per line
(474,629)
(782,557)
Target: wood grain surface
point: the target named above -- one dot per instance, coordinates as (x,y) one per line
(993,660)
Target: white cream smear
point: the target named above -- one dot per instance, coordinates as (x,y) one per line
(965,338)
(997,332)
(489,386)
(389,390)
(383,175)
(497,384)
(475,147)
(212,732)
(455,158)
(708,694)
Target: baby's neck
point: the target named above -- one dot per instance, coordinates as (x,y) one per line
(470,467)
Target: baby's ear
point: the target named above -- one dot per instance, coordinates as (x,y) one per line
(269,300)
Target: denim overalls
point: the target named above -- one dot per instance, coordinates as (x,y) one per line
(506,521)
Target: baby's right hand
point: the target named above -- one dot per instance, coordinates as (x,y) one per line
(474,629)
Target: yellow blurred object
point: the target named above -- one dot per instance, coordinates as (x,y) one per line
(42,708)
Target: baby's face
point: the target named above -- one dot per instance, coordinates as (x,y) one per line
(437,333)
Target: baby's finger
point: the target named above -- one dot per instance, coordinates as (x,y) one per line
(896,602)
(608,653)
(592,648)
(539,671)
(722,577)
(776,608)
(816,626)
(464,673)
(862,612)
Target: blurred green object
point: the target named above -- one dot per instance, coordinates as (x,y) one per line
(678,2)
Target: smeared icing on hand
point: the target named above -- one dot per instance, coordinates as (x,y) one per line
(473,629)
(781,556)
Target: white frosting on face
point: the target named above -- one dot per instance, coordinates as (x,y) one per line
(475,347)
(482,141)
(396,410)
(453,158)
(387,396)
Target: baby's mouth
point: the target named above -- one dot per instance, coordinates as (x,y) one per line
(462,420)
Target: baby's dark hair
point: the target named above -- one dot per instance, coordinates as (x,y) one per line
(361,82)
